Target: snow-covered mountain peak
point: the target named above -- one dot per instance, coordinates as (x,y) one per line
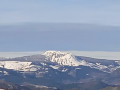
(61,58)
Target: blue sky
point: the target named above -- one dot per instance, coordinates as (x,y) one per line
(104,12)
(35,25)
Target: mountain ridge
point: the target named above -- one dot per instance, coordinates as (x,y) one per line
(64,59)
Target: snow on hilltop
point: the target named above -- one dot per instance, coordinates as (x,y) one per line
(61,58)
(64,58)
(16,65)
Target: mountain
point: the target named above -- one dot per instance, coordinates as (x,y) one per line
(61,59)
(61,70)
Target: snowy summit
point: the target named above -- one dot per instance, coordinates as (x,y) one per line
(61,58)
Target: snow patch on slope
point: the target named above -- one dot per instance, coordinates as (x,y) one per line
(16,65)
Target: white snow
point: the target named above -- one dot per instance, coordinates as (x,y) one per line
(54,67)
(77,68)
(16,65)
(64,70)
(61,58)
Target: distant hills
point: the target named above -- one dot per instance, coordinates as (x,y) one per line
(60,70)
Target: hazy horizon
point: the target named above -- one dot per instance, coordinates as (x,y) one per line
(92,54)
(59,36)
